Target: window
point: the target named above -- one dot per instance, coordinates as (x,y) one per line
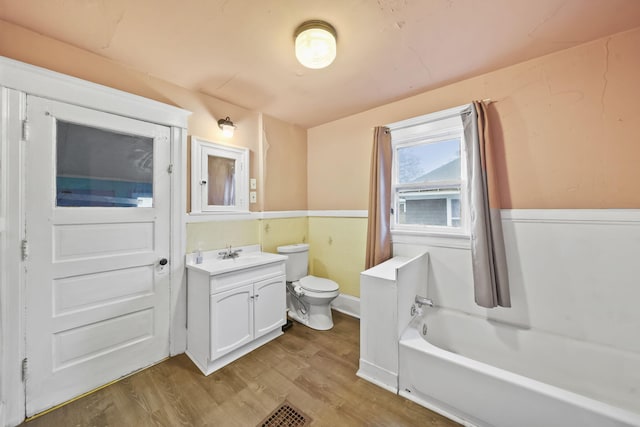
(429,174)
(219,177)
(100,168)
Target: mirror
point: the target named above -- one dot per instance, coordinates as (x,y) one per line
(221,172)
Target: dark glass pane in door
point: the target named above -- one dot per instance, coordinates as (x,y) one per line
(98,167)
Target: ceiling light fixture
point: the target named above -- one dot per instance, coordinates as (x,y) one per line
(227,127)
(315,44)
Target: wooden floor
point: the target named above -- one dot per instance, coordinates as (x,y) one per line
(313,370)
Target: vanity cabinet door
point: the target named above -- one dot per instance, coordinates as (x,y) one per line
(231,320)
(270,305)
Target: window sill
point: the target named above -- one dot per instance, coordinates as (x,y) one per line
(432,238)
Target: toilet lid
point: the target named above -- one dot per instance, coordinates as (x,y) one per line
(318,284)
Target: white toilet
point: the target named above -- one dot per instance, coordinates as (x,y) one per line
(308,297)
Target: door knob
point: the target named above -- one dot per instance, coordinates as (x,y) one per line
(163,261)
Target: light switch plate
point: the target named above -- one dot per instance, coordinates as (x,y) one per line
(252,197)
(252,183)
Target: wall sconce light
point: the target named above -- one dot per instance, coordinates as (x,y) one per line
(315,44)
(227,127)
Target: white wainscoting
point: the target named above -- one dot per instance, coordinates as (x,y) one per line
(573,273)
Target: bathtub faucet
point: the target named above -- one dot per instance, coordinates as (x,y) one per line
(423,301)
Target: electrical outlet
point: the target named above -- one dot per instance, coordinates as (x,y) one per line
(252,183)
(253,197)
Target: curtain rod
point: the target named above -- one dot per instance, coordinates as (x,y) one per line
(485,101)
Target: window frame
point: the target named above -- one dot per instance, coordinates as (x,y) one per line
(427,129)
(200,150)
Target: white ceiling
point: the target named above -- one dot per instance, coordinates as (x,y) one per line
(241,51)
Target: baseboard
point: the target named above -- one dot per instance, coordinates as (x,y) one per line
(213,365)
(347,304)
(378,376)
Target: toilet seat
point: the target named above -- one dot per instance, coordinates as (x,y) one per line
(318,284)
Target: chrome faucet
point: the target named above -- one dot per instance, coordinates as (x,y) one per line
(230,253)
(423,301)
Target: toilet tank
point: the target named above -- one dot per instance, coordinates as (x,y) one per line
(297,263)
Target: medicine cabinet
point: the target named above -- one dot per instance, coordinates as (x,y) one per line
(219,177)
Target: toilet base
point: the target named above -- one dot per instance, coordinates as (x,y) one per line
(318,317)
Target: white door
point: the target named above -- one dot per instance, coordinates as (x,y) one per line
(97,226)
(270,305)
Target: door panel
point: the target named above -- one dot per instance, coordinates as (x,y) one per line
(91,290)
(270,305)
(97,223)
(76,345)
(231,320)
(74,242)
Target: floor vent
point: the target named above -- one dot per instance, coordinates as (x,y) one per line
(286,415)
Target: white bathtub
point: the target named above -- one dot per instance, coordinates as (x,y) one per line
(484,373)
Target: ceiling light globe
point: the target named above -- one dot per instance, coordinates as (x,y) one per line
(315,45)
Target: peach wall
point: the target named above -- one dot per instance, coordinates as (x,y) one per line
(565,126)
(285,165)
(282,178)
(26,46)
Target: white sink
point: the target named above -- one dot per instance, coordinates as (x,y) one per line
(250,256)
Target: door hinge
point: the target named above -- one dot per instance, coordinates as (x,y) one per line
(170,169)
(24,369)
(25,130)
(25,250)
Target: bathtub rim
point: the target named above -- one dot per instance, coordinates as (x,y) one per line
(412,339)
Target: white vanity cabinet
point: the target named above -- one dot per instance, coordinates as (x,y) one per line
(242,314)
(234,312)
